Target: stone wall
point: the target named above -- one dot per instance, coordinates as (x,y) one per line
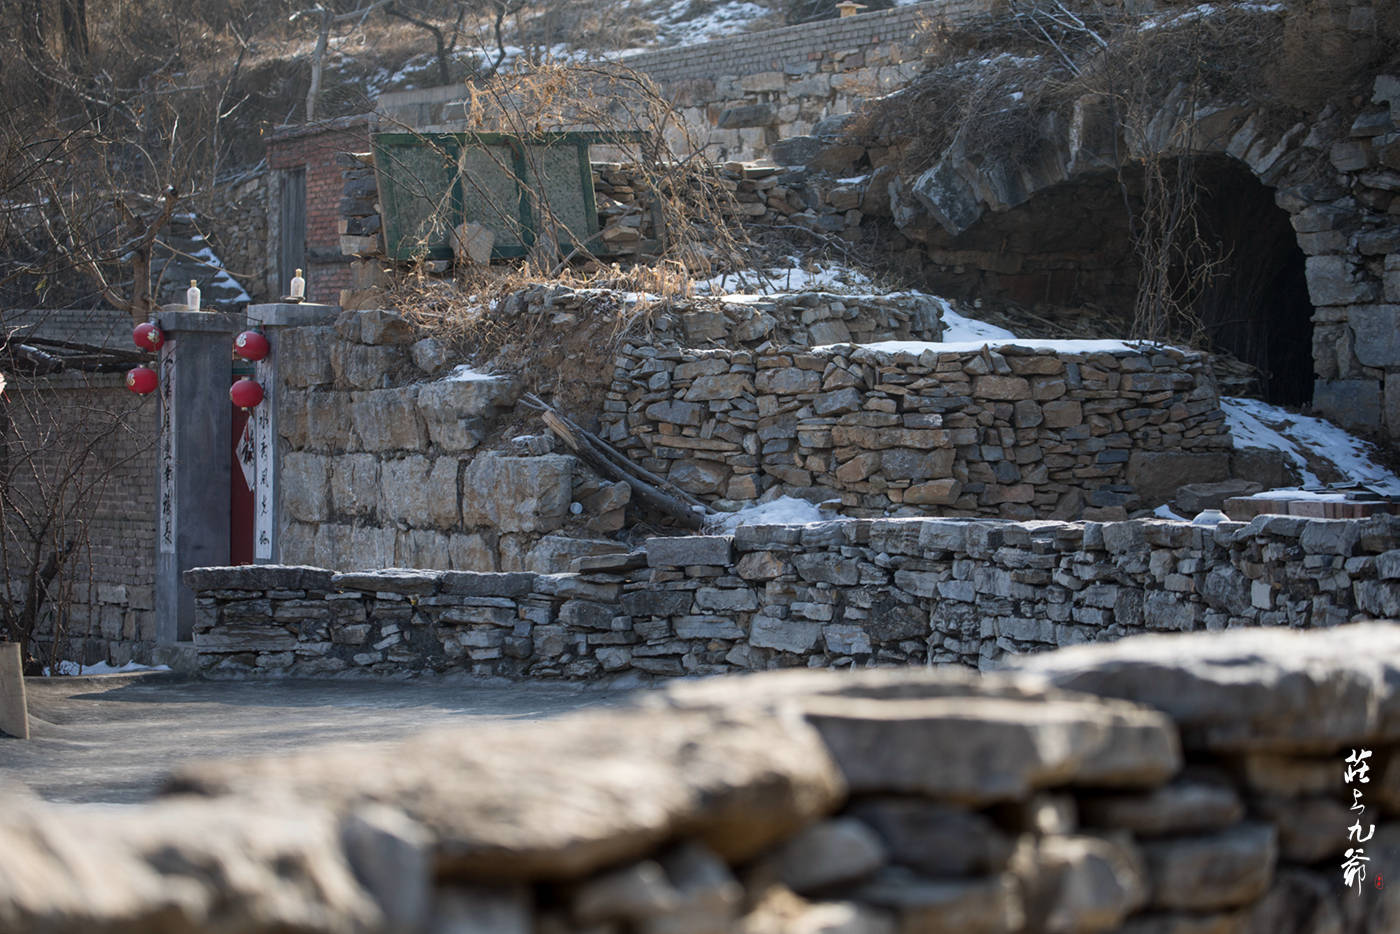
(1165,783)
(1017,432)
(380,464)
(843,593)
(738,95)
(381,461)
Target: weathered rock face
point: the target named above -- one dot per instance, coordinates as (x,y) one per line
(737,783)
(382,470)
(1012,431)
(783,802)
(841,593)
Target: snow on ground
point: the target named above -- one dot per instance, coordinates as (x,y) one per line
(785,510)
(792,278)
(1258,424)
(72,669)
(727,18)
(462,373)
(956,327)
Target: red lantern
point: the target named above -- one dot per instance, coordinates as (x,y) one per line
(141,380)
(148,336)
(246,393)
(251,345)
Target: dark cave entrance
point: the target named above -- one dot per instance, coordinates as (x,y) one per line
(1066,257)
(1257,308)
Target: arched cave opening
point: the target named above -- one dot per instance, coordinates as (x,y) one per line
(1066,256)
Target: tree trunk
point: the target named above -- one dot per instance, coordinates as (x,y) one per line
(73,16)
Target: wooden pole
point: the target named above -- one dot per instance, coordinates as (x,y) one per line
(14,710)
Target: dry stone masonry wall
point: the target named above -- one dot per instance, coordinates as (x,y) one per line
(380,463)
(1161,784)
(848,592)
(1017,432)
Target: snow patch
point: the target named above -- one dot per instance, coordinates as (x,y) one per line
(785,510)
(782,279)
(1257,424)
(221,280)
(462,373)
(73,669)
(958,327)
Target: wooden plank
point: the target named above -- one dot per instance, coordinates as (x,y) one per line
(14,708)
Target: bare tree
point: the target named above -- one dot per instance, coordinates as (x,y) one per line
(68,438)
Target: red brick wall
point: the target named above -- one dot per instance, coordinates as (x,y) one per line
(316,148)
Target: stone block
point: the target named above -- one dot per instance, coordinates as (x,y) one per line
(935,839)
(785,635)
(472,551)
(392,580)
(947,197)
(1082,883)
(356,366)
(993,905)
(354,484)
(1179,808)
(978,750)
(517,494)
(1202,682)
(688,550)
(1377,330)
(795,150)
(1352,403)
(744,115)
(303,356)
(388,420)
(602,790)
(836,851)
(419,492)
(258,577)
(452,408)
(1222,870)
(1333,281)
(421,548)
(305,486)
(1155,475)
(699,476)
(328,421)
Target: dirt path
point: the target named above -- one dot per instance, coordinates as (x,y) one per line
(111,738)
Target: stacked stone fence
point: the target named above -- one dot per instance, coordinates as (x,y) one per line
(1187,783)
(1014,431)
(738,95)
(382,458)
(850,592)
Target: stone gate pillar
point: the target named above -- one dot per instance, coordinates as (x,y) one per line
(193,460)
(275,320)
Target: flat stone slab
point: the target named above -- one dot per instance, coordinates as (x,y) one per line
(580,793)
(394,580)
(178,866)
(978,750)
(1249,690)
(259,577)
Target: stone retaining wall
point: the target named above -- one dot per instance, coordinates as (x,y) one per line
(1013,431)
(844,593)
(1166,783)
(738,95)
(382,462)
